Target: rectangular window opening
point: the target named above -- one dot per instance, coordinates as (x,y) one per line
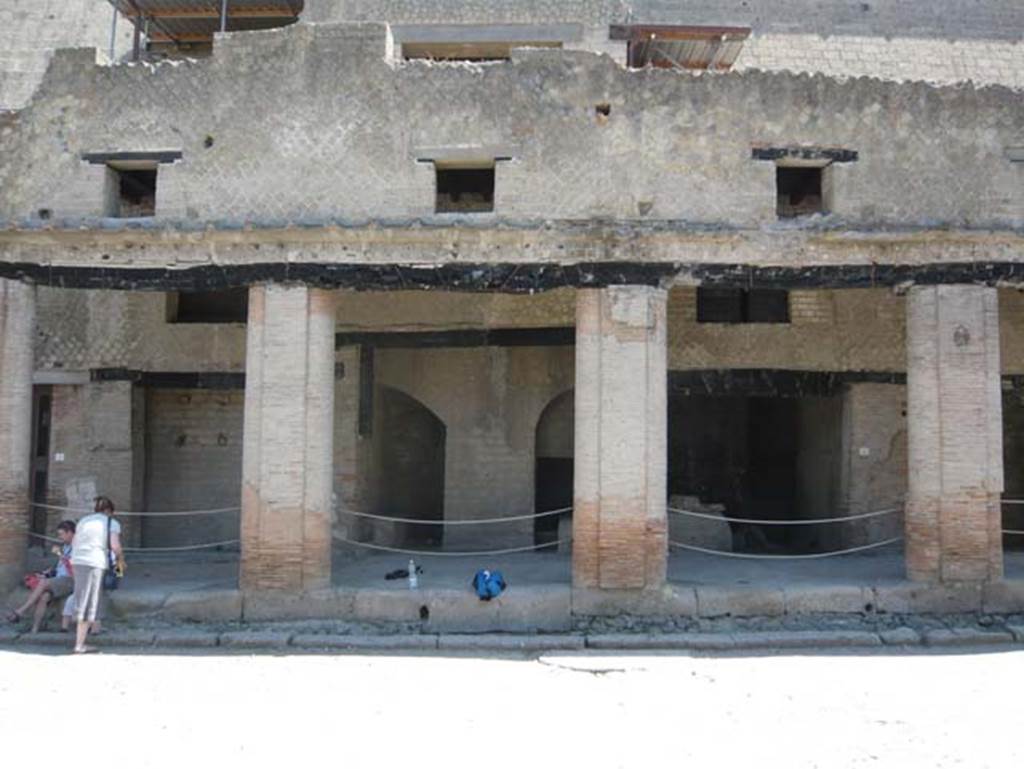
(464,189)
(469,51)
(680,47)
(740,305)
(226,306)
(799,191)
(133,192)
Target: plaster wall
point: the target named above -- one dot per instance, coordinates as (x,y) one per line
(95,433)
(311,123)
(490,400)
(946,41)
(30,31)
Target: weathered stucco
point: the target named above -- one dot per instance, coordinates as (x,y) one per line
(676,146)
(895,39)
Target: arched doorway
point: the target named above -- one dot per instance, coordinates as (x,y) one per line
(410,464)
(553,474)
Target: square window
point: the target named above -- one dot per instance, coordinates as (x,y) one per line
(799,191)
(133,192)
(719,305)
(464,189)
(739,305)
(227,306)
(767,305)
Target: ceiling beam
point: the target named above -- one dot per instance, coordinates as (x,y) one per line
(636,32)
(203,13)
(192,37)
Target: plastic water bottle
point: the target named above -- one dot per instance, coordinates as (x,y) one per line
(413,580)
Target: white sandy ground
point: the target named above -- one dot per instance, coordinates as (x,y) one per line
(573,710)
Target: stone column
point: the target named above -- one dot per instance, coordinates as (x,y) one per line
(17,331)
(288,441)
(619,527)
(954,423)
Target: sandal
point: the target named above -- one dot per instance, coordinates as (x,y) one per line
(84,650)
(13,617)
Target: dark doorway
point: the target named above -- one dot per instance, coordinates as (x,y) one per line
(760,458)
(1013,467)
(411,467)
(42,402)
(553,474)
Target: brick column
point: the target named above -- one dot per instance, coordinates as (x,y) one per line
(17,331)
(288,442)
(619,525)
(955,436)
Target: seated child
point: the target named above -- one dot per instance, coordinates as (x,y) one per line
(50,585)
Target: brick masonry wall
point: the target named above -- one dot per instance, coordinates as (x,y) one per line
(854,330)
(619,520)
(844,330)
(288,439)
(93,429)
(193,461)
(873,460)
(955,446)
(82,329)
(17,326)
(860,330)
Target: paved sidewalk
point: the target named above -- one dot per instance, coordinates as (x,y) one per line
(885,707)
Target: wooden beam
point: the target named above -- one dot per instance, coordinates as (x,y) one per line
(268,12)
(675,32)
(160,37)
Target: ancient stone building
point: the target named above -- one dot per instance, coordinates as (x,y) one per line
(450,261)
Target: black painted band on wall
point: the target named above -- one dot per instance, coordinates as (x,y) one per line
(172,380)
(772,383)
(511,278)
(549,336)
(741,382)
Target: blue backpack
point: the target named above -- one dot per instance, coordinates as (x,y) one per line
(488,584)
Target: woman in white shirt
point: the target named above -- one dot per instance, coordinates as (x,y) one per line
(96,537)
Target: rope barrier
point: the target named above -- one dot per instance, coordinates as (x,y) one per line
(147,549)
(121,513)
(450,553)
(181,547)
(804,556)
(793,522)
(457,523)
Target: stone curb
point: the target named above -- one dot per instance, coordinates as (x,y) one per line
(367,643)
(738,641)
(966,637)
(528,643)
(666,641)
(798,639)
(255,639)
(901,636)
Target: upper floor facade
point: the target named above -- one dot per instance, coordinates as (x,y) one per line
(329,136)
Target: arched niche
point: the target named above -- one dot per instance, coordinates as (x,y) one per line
(553,475)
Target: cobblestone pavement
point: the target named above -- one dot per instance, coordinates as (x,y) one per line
(876,708)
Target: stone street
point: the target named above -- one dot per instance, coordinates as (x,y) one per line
(880,709)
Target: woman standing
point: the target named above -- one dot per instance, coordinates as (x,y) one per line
(97,536)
